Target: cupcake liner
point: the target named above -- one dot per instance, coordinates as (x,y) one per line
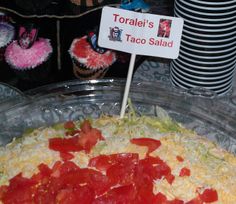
(39,74)
(84,68)
(86,74)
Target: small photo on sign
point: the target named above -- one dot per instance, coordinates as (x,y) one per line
(164,28)
(115,34)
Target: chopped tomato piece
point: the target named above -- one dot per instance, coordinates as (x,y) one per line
(195,201)
(122,173)
(170,178)
(150,143)
(89,136)
(81,140)
(56,169)
(89,139)
(160,198)
(79,194)
(99,183)
(3,190)
(209,195)
(65,144)
(85,126)
(184,172)
(20,190)
(127,192)
(66,156)
(44,170)
(162,170)
(176,201)
(19,181)
(104,162)
(121,194)
(179,158)
(69,125)
(152,160)
(68,166)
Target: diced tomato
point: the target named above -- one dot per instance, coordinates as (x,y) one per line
(127,192)
(179,158)
(66,156)
(209,195)
(160,199)
(119,195)
(3,190)
(65,144)
(86,126)
(42,195)
(155,168)
(162,170)
(176,201)
(89,139)
(45,171)
(20,190)
(125,158)
(152,160)
(150,143)
(19,181)
(99,183)
(89,136)
(123,174)
(103,162)
(56,169)
(69,125)
(68,166)
(170,178)
(80,194)
(195,201)
(184,172)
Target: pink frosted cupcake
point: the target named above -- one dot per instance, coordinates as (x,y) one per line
(87,63)
(29,58)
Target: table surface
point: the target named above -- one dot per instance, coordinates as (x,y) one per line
(155,69)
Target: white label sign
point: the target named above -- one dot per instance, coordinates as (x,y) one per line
(139,33)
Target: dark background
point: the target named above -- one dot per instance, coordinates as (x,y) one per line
(61,22)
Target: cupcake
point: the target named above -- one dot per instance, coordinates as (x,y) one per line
(29,57)
(90,62)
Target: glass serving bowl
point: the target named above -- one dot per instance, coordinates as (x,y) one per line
(8,92)
(73,100)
